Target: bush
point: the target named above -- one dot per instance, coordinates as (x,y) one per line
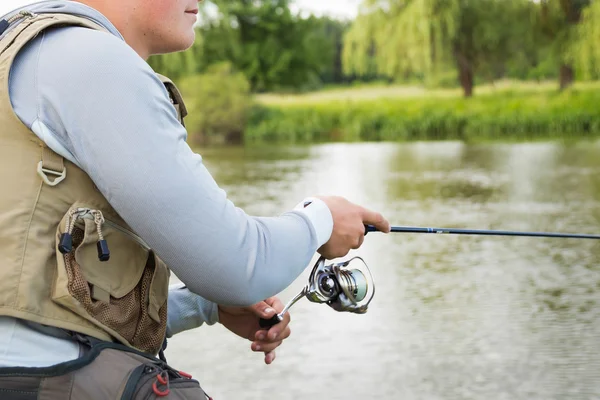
(500,116)
(218,102)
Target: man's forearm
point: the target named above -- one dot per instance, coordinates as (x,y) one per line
(187,310)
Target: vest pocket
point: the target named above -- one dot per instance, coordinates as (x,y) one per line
(125,295)
(151,381)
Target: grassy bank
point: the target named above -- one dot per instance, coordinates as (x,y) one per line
(506,111)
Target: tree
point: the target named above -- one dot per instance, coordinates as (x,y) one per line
(177,65)
(328,36)
(558,21)
(586,52)
(220,101)
(262,38)
(403,37)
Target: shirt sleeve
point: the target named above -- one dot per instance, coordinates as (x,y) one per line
(187,310)
(103,107)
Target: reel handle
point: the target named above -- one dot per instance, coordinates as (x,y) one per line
(267,323)
(277,318)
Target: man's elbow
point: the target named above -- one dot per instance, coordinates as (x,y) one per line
(233,292)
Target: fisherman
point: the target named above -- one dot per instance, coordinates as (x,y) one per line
(101,198)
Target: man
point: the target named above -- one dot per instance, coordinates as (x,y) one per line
(93,156)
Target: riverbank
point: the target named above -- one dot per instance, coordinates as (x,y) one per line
(505,111)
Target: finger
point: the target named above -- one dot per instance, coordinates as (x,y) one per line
(264,310)
(270,357)
(275,303)
(359,242)
(263,339)
(376,219)
(276,330)
(283,335)
(265,347)
(267,309)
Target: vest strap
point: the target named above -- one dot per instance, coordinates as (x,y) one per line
(51,164)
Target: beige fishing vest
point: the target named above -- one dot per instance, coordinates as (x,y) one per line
(42,197)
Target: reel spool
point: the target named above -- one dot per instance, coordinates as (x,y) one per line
(346,286)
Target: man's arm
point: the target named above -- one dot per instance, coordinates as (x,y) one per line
(103,107)
(187,310)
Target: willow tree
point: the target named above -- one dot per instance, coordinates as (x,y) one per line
(586,51)
(402,37)
(559,20)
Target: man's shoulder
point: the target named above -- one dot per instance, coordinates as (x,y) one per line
(76,43)
(91,60)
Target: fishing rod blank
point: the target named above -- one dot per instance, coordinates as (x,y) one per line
(453,231)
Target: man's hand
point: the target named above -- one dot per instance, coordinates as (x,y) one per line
(243,321)
(349,222)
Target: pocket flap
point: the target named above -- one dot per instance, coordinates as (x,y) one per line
(123,271)
(159,288)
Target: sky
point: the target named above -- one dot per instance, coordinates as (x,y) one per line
(334,8)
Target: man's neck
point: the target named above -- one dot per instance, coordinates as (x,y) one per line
(119,14)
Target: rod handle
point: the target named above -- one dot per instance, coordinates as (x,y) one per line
(370,228)
(267,323)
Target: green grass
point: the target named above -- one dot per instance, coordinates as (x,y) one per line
(369,92)
(505,111)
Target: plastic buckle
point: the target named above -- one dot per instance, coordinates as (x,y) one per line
(44,172)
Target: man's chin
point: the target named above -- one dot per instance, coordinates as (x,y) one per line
(182,44)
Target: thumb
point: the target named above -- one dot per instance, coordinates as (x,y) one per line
(263,310)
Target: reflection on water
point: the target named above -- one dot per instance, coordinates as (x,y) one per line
(454,317)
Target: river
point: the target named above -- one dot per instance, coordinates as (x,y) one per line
(454,317)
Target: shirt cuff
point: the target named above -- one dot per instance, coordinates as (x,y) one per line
(320,217)
(187,310)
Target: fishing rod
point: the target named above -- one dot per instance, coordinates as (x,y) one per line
(454,231)
(349,286)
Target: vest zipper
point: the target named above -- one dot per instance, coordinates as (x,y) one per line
(139,240)
(6,23)
(65,244)
(24,14)
(103,252)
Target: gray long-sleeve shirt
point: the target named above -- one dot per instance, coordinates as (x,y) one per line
(93,100)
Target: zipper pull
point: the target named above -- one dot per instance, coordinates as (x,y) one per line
(65,245)
(102,245)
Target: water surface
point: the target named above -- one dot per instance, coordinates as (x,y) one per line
(454,317)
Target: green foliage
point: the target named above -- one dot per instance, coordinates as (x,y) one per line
(558,22)
(328,36)
(272,47)
(586,52)
(511,115)
(218,102)
(180,64)
(438,43)
(275,49)
(401,38)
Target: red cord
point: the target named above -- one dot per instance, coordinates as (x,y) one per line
(158,392)
(185,374)
(163,381)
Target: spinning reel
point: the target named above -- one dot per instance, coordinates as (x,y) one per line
(345,286)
